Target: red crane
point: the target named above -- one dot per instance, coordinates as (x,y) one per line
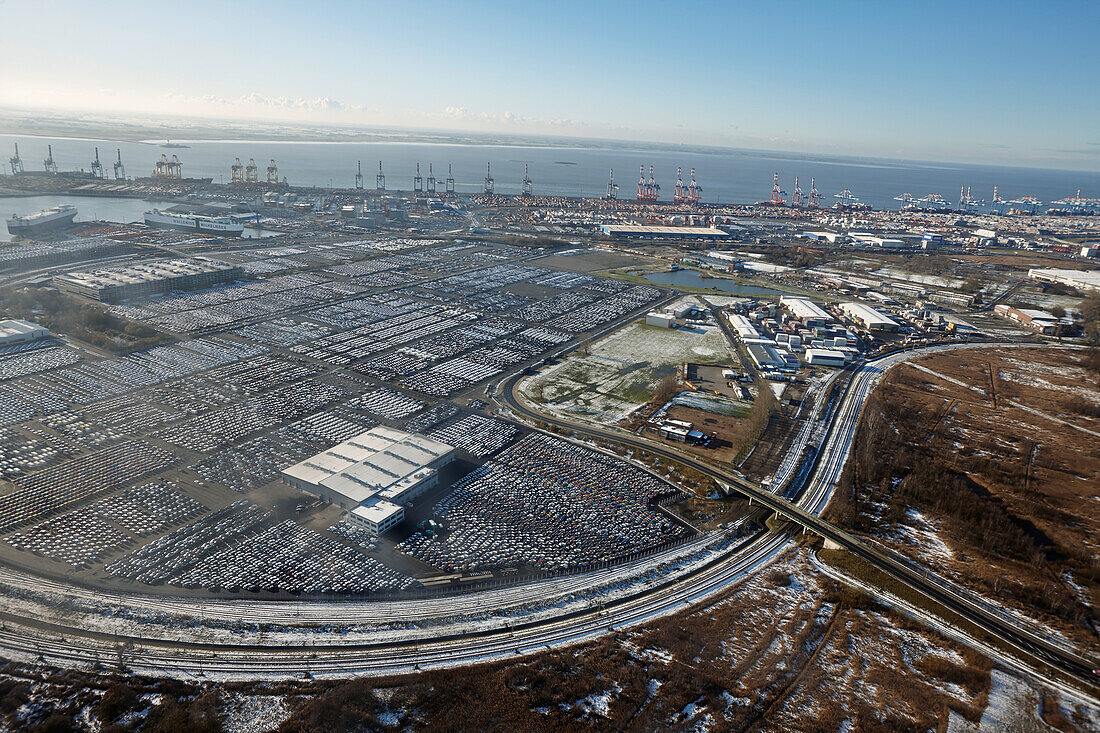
(694,190)
(777,193)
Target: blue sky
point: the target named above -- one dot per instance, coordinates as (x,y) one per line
(1007,82)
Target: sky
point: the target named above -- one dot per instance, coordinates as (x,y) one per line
(986,82)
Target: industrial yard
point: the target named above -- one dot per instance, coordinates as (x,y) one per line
(424,429)
(549,367)
(605,381)
(192,444)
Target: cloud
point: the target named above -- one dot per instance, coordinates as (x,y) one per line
(510,119)
(260,102)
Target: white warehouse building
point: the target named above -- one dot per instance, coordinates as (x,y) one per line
(373,474)
(807,311)
(825,357)
(743,326)
(20,332)
(870,318)
(659,319)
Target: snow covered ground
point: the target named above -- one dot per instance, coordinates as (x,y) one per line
(254,713)
(621,371)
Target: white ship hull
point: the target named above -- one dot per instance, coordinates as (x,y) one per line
(193,223)
(42,221)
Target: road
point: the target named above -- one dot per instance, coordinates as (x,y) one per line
(805,513)
(294,639)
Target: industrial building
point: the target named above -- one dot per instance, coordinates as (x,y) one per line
(14,332)
(810,313)
(1083,280)
(830,237)
(872,240)
(113,284)
(765,356)
(868,317)
(373,474)
(659,319)
(825,357)
(646,231)
(743,326)
(1037,320)
(681,431)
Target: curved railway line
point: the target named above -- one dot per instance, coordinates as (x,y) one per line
(313,638)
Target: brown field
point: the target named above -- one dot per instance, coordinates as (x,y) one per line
(986,466)
(590,261)
(731,432)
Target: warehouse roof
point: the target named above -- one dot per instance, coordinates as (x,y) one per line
(765,355)
(1080,279)
(145,272)
(825,354)
(868,315)
(381,460)
(804,308)
(12,327)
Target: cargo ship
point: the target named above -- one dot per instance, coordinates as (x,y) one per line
(58,216)
(222,225)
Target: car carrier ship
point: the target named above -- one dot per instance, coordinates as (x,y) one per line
(222,225)
(59,216)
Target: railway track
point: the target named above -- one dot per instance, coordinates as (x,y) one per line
(314,653)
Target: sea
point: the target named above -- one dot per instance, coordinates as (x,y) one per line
(726,176)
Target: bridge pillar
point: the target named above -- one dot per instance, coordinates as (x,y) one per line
(830,545)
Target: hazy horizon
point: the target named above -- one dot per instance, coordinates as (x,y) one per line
(986,83)
(93,125)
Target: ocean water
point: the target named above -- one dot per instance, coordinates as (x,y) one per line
(103,208)
(726,176)
(91,208)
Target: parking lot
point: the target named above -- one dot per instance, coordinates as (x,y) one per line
(160,468)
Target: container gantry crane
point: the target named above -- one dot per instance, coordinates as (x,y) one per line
(418,182)
(16,162)
(450,182)
(359,174)
(694,190)
(488,187)
(527,188)
(380,179)
(251,172)
(120,169)
(778,194)
(611,187)
(50,166)
(273,173)
(431,179)
(97,167)
(236,171)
